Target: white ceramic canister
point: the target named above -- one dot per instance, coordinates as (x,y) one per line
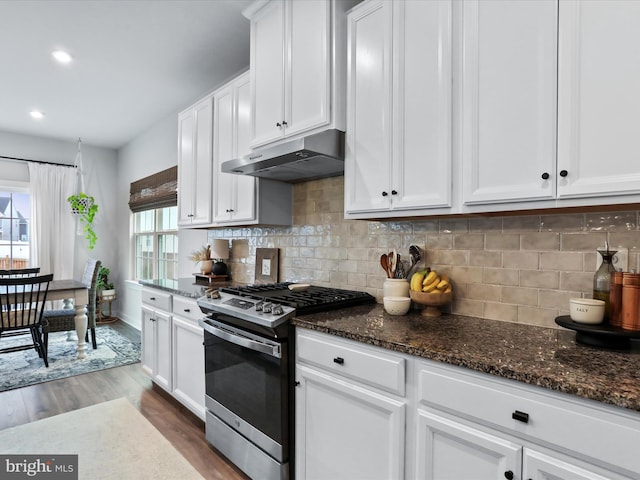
(395,287)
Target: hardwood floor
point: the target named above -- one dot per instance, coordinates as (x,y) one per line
(179,426)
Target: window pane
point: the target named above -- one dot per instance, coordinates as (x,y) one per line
(167,219)
(144,221)
(144,257)
(168,256)
(14,229)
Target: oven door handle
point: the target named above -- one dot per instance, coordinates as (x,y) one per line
(272,350)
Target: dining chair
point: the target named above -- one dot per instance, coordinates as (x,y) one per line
(22,303)
(64,320)
(20,272)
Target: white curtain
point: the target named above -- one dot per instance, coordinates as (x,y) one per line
(53,227)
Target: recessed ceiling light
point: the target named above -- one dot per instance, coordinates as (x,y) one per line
(36,114)
(61,56)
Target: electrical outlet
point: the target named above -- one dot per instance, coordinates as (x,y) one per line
(620,260)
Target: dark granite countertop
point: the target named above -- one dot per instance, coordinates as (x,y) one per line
(185,287)
(546,357)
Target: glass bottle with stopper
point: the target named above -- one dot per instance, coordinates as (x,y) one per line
(602,278)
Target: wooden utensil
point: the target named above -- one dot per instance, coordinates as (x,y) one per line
(384,263)
(392,263)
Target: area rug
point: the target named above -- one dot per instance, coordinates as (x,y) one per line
(112,440)
(19,369)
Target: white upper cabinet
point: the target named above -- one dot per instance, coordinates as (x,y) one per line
(234,195)
(195,163)
(398,153)
(297,67)
(508,103)
(599,98)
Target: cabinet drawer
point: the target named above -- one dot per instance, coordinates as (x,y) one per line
(156,299)
(187,308)
(366,365)
(557,420)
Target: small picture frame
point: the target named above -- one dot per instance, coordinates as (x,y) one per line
(267,265)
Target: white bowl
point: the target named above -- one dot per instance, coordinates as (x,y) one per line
(396,305)
(586,310)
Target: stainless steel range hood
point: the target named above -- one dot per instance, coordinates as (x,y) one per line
(316,156)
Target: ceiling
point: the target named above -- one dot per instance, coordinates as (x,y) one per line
(135,62)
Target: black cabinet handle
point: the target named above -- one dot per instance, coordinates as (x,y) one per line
(187,310)
(545,176)
(339,360)
(190,215)
(278,124)
(284,124)
(520,416)
(152,298)
(393,192)
(563,173)
(384,194)
(508,475)
(296,384)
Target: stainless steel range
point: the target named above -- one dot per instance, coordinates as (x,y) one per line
(249,368)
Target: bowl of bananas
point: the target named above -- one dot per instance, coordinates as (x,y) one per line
(432,290)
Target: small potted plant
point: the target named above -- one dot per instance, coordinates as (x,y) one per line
(103,285)
(83,206)
(203,257)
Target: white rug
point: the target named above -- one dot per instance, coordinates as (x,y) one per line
(112,439)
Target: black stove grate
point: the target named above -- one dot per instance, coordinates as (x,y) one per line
(313,300)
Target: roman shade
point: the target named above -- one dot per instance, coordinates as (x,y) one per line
(155,191)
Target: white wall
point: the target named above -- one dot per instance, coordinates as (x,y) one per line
(100,180)
(153,151)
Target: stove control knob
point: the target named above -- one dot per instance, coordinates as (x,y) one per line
(266,308)
(277,310)
(259,306)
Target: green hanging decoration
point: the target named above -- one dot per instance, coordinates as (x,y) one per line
(83,206)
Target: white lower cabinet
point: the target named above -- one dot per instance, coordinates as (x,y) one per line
(172,350)
(358,418)
(345,429)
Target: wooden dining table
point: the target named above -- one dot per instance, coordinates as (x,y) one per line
(79,292)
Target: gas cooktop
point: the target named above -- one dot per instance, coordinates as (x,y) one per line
(272,304)
(312,300)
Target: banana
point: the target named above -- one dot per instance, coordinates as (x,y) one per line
(416,281)
(429,278)
(443,285)
(431,286)
(447,290)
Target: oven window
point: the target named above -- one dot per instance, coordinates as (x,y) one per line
(250,384)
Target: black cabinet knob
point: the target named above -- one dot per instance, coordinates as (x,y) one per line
(563,173)
(284,124)
(508,475)
(339,360)
(278,124)
(393,192)
(545,176)
(384,194)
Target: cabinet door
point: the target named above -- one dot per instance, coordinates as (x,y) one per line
(223,150)
(308,71)
(188,364)
(267,73)
(509,84)
(537,466)
(203,159)
(368,156)
(344,431)
(186,167)
(599,98)
(446,450)
(147,342)
(244,193)
(162,349)
(422,49)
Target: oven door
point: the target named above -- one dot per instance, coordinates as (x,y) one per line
(246,384)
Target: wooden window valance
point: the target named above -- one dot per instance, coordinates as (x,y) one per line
(155,191)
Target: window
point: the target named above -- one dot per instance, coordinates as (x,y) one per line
(156,243)
(15,208)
